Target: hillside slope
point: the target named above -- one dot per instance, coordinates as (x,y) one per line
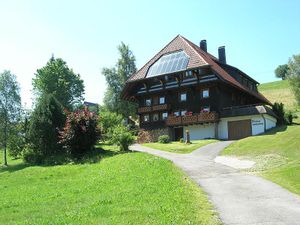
(279,91)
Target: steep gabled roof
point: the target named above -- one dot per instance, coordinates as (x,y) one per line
(198,58)
(224,75)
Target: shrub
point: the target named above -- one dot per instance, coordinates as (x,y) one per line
(283,117)
(122,137)
(80,133)
(288,118)
(45,122)
(181,140)
(144,136)
(164,139)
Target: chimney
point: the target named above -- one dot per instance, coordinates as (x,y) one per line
(203,45)
(222,55)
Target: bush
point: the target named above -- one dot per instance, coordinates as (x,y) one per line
(122,137)
(164,139)
(288,118)
(80,133)
(181,140)
(283,117)
(32,156)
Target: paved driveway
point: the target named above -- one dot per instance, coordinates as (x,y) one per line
(238,197)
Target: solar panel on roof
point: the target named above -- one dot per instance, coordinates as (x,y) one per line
(173,62)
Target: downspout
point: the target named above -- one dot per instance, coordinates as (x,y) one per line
(265,125)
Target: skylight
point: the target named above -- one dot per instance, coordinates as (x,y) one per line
(173,62)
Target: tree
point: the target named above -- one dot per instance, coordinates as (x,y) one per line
(45,122)
(108,120)
(281,71)
(80,132)
(10,108)
(116,78)
(57,79)
(294,75)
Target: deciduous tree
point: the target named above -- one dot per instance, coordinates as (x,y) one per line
(10,108)
(281,71)
(294,75)
(58,79)
(116,78)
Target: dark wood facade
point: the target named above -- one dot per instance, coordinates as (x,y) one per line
(196,95)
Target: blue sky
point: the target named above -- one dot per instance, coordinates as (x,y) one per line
(258,35)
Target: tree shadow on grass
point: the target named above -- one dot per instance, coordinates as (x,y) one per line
(14,167)
(94,156)
(275,130)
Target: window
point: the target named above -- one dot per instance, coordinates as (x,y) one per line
(164,115)
(146,118)
(188,74)
(155,117)
(162,100)
(182,97)
(176,113)
(148,102)
(205,93)
(205,109)
(183,112)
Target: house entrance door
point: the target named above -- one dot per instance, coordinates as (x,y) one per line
(178,133)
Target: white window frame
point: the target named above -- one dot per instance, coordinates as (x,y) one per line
(154,116)
(164,115)
(146,116)
(146,100)
(164,100)
(181,94)
(205,91)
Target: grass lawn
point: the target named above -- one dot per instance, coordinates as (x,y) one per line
(279,91)
(131,188)
(178,147)
(277,154)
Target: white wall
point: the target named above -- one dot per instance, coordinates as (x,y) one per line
(257,124)
(270,122)
(198,132)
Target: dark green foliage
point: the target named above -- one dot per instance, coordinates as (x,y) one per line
(108,121)
(283,117)
(281,71)
(122,137)
(164,139)
(80,133)
(10,110)
(116,78)
(45,122)
(181,140)
(288,118)
(58,79)
(17,142)
(294,75)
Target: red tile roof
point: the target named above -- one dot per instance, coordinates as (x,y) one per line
(198,58)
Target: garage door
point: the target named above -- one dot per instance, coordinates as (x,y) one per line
(239,129)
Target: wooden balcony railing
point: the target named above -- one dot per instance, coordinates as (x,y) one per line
(147,109)
(192,119)
(144,109)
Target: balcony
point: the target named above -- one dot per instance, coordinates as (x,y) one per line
(147,109)
(205,117)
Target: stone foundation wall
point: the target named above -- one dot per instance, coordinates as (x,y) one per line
(145,136)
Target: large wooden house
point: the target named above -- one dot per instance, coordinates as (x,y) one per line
(183,88)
